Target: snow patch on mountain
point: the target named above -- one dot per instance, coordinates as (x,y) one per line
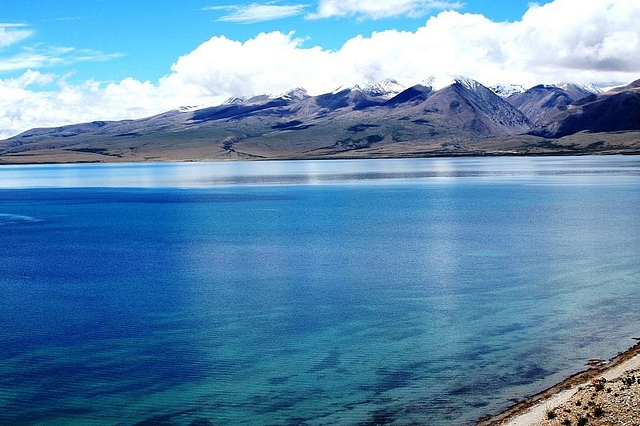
(468,84)
(191,108)
(504,90)
(234,100)
(439,82)
(385,88)
(297,94)
(587,87)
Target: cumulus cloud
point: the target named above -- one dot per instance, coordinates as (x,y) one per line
(553,42)
(550,43)
(270,62)
(255,12)
(376,9)
(596,36)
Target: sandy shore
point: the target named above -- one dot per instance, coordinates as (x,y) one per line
(604,394)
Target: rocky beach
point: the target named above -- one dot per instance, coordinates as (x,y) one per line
(605,394)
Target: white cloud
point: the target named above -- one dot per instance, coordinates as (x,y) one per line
(26,60)
(598,36)
(69,18)
(30,101)
(550,43)
(256,12)
(13,33)
(43,56)
(377,9)
(270,62)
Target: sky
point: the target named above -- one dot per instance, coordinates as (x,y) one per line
(71,61)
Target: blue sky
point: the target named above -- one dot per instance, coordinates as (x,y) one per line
(66,61)
(141,39)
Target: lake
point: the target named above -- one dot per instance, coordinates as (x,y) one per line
(355,292)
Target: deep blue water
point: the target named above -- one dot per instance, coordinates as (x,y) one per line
(312,292)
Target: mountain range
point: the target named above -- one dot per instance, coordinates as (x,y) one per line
(374,120)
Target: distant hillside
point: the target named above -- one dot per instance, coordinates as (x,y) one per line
(381,120)
(541,100)
(616,110)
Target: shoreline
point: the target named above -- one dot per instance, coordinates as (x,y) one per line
(533,409)
(40,158)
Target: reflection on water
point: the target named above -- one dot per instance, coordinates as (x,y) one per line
(150,175)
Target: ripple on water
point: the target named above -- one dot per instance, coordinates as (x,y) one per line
(14,219)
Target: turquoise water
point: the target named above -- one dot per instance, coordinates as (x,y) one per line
(311,292)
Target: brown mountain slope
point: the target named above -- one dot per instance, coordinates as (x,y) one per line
(616,110)
(464,118)
(294,124)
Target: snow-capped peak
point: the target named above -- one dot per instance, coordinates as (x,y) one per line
(190,108)
(382,88)
(508,89)
(467,83)
(442,81)
(587,87)
(235,100)
(296,94)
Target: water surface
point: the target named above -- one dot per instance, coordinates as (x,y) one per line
(309,292)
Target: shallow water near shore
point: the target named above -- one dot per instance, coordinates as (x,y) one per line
(422,291)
